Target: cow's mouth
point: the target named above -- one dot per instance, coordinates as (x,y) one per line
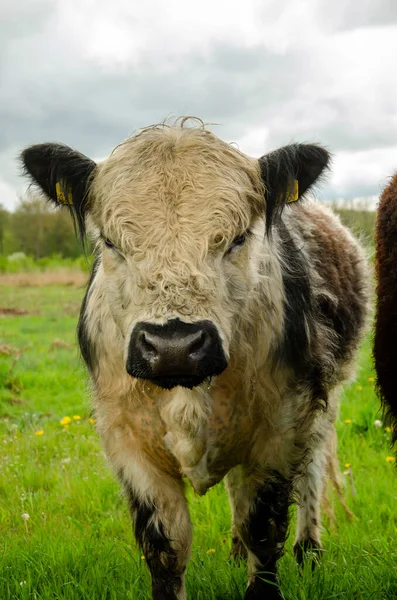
(168,383)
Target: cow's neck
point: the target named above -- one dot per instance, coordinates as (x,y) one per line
(186,414)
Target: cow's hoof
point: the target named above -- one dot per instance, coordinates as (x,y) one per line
(308,550)
(262,590)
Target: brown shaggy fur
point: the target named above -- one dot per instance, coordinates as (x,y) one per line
(385,343)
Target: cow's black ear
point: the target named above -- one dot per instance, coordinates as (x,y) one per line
(64,176)
(288,173)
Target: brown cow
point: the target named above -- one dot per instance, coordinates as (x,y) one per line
(385,341)
(219,324)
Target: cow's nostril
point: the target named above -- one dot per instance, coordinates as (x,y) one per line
(198,345)
(148,350)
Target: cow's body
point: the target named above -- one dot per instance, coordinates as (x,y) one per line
(284,311)
(254,405)
(385,347)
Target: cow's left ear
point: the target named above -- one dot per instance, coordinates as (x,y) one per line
(288,173)
(63,174)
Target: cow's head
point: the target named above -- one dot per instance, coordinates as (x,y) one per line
(181,221)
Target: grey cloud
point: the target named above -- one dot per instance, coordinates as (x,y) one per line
(93,108)
(49,92)
(345,15)
(354,189)
(342,124)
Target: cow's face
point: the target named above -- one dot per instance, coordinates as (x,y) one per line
(179,221)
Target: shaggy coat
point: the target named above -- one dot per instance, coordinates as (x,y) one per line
(219,324)
(385,347)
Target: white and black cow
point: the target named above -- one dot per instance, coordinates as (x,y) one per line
(220,321)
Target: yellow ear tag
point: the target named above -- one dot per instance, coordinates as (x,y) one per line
(293,197)
(61,196)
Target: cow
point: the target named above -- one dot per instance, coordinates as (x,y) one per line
(221,318)
(385,349)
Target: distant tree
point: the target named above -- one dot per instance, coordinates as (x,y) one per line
(4,219)
(41,230)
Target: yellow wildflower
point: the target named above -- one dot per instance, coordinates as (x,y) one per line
(371,379)
(347,421)
(211,551)
(65,421)
(92,421)
(390,459)
(359,388)
(40,432)
(76,417)
(347,466)
(142,557)
(388,429)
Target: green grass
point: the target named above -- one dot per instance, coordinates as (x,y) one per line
(77,542)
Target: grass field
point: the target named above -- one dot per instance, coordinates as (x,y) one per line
(64,526)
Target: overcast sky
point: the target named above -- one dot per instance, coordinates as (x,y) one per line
(90,72)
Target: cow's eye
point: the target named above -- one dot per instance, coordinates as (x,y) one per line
(109,244)
(238,241)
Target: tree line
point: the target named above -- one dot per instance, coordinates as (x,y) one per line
(37,230)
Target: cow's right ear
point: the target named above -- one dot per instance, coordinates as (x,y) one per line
(63,174)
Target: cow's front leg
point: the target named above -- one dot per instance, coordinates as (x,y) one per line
(310,489)
(260,516)
(162,528)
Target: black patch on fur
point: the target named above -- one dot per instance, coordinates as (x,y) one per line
(299,306)
(302,162)
(299,348)
(49,164)
(265,533)
(87,347)
(160,557)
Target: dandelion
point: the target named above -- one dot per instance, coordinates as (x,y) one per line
(390,459)
(40,432)
(347,421)
(211,551)
(347,466)
(65,421)
(142,557)
(25,518)
(378,423)
(388,429)
(359,388)
(371,379)
(92,421)
(76,417)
